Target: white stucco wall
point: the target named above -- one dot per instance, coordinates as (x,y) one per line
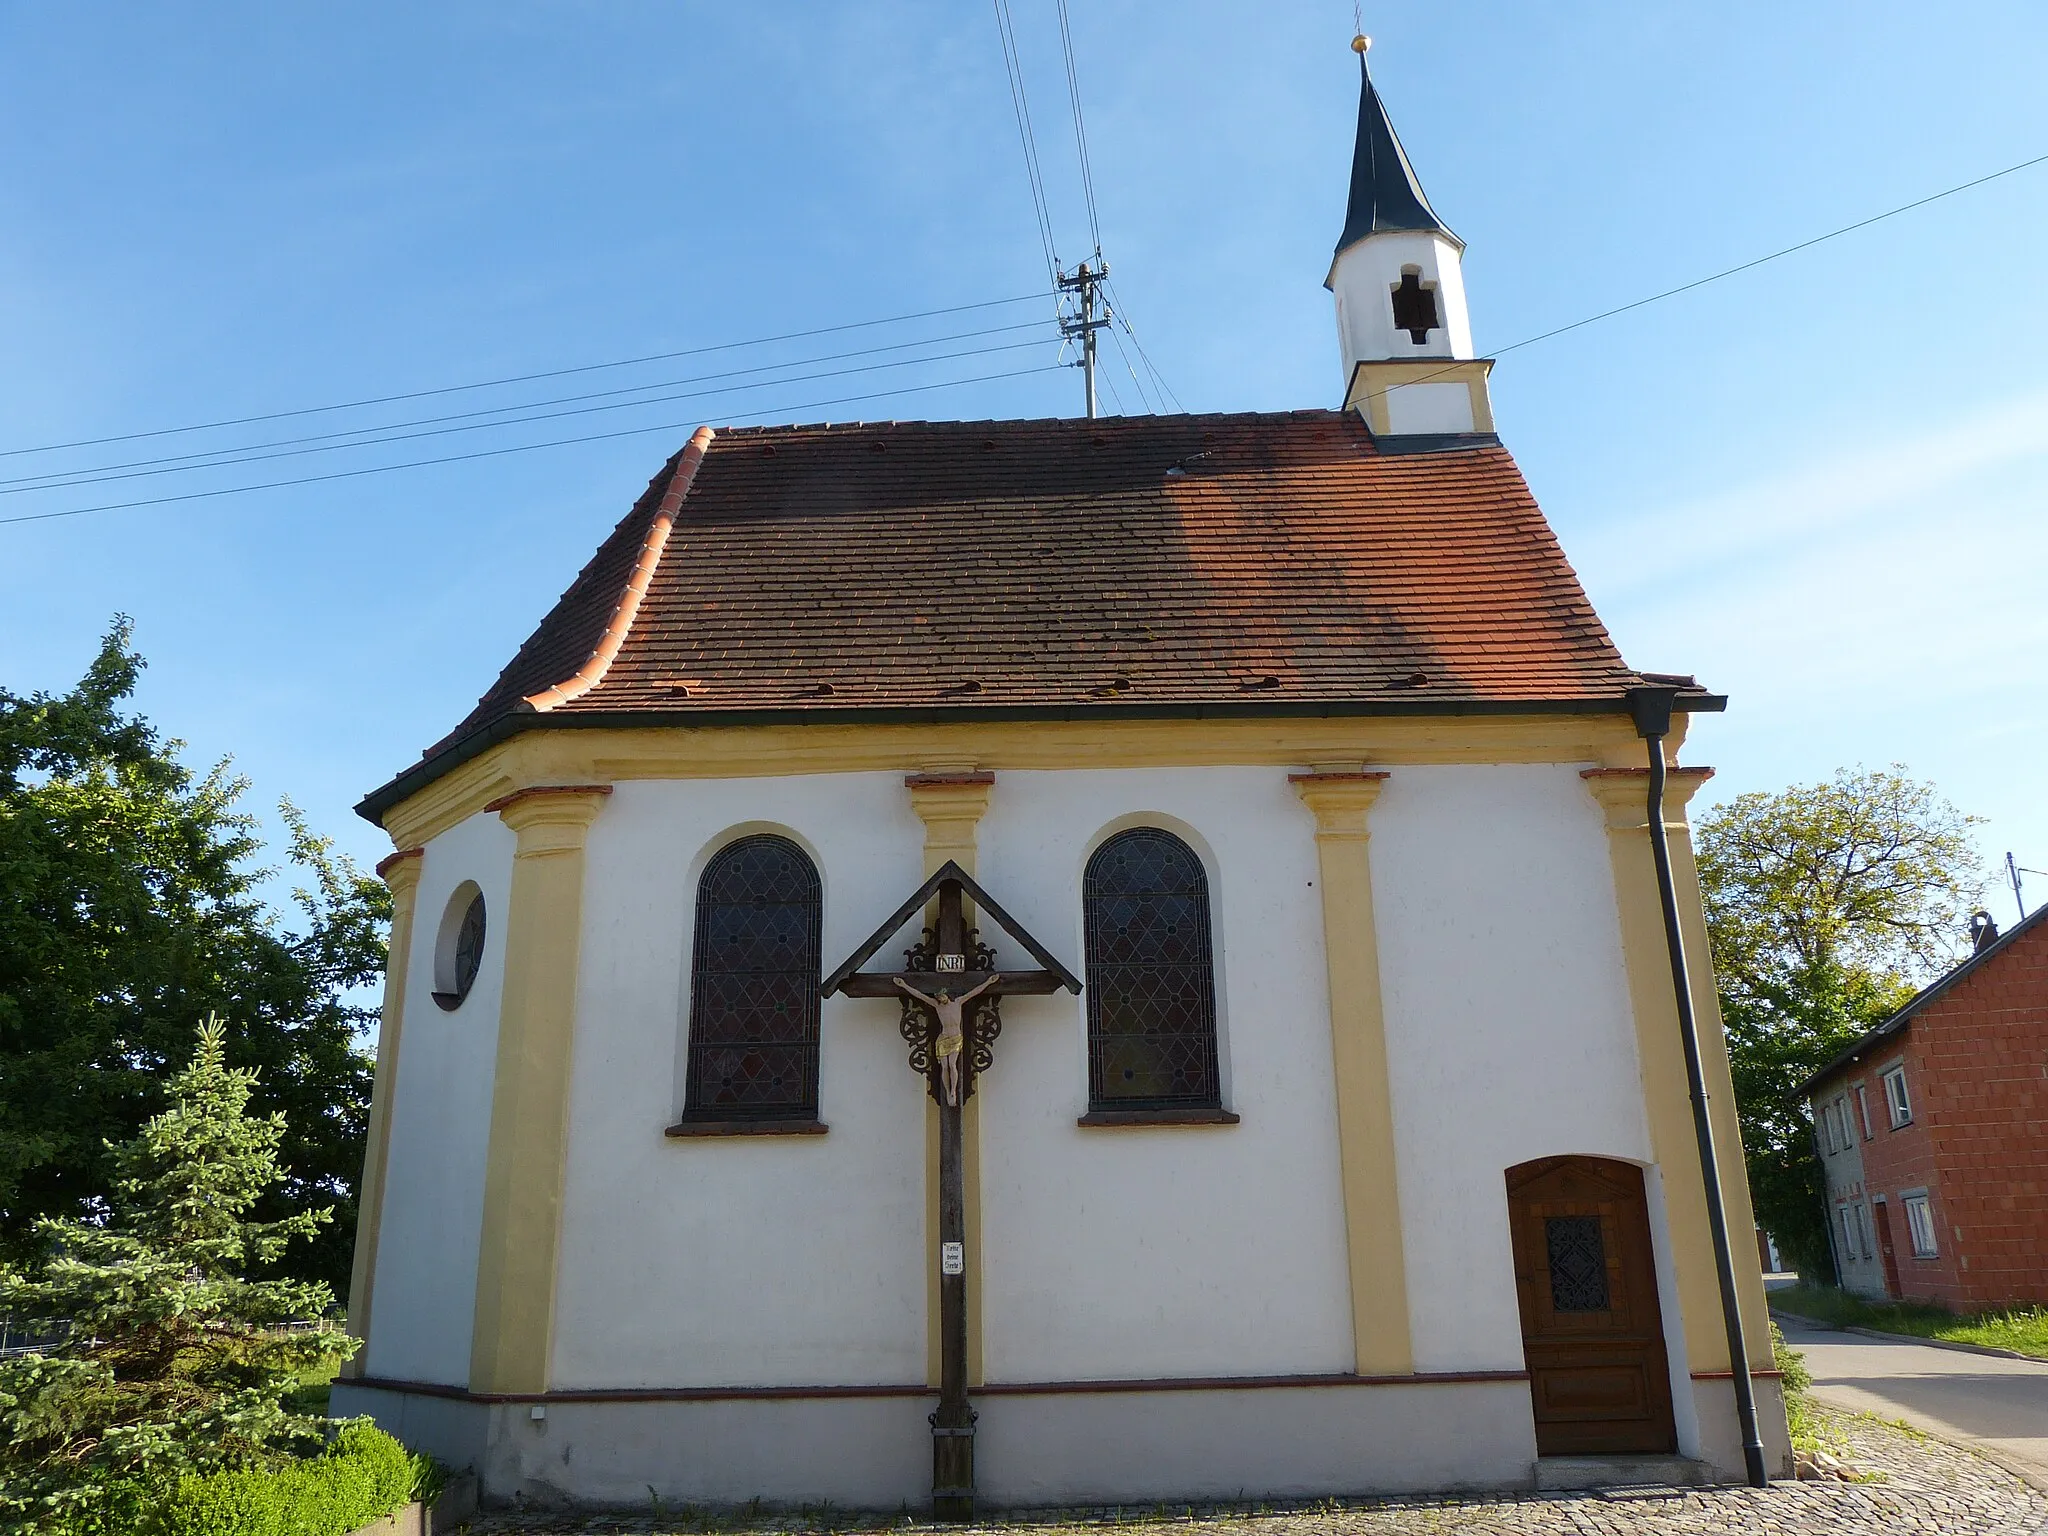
(764,1261)
(1363,279)
(1164,1252)
(1441,407)
(795,1261)
(425,1286)
(1509,1029)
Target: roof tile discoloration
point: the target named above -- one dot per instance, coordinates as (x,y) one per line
(1229,560)
(1044,560)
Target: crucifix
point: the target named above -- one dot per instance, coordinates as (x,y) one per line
(951,994)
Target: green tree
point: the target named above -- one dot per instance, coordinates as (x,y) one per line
(1827,906)
(174,1359)
(129,912)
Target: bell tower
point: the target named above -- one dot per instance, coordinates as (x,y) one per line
(1402,325)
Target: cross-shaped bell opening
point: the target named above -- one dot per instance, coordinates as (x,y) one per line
(1415,308)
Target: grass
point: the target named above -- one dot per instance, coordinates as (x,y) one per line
(310,1395)
(2024,1330)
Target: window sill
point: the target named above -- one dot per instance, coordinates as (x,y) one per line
(1132,1118)
(746,1128)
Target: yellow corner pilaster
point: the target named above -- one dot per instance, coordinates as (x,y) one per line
(951,802)
(1340,802)
(513,1336)
(401,872)
(1623,794)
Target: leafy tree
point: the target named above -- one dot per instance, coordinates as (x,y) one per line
(1827,906)
(128,912)
(174,1361)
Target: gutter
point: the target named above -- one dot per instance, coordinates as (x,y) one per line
(1652,707)
(373,805)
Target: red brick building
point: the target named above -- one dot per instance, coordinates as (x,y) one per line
(1933,1129)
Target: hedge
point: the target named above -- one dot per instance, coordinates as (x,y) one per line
(362,1477)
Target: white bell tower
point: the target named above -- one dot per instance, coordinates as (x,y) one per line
(1402,324)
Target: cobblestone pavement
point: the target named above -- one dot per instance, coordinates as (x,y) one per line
(1923,1486)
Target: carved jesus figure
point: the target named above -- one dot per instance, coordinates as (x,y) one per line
(952,1039)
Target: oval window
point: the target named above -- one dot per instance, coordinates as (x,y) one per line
(460,948)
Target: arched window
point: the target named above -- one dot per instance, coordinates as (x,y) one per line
(1151,983)
(754,985)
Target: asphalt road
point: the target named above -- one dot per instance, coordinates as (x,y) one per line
(1997,1405)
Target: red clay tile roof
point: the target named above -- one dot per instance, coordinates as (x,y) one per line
(1170,562)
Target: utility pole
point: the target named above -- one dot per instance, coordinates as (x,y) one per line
(2013,870)
(1082,321)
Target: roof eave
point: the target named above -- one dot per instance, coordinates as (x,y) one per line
(1437,230)
(416,778)
(1896,1022)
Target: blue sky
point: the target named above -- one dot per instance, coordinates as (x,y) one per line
(1817,485)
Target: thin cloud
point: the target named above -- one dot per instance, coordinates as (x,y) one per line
(1917,478)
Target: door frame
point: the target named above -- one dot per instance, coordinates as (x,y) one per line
(1887,1251)
(1599,1357)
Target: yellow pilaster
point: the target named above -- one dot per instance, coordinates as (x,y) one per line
(515,1279)
(1623,794)
(401,872)
(951,802)
(1340,802)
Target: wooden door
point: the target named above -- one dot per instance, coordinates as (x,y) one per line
(1881,1213)
(1592,1332)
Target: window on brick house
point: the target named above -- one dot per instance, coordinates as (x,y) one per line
(1863,1109)
(1920,1223)
(1848,1235)
(1862,1232)
(1823,1133)
(1896,1098)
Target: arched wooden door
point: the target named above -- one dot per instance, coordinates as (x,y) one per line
(1592,1332)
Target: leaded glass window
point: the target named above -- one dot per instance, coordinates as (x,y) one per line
(1151,980)
(1578,1264)
(754,985)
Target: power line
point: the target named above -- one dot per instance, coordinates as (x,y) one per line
(1846,229)
(1080,128)
(1136,382)
(1013,63)
(1158,378)
(1701,282)
(485,426)
(216,458)
(488,453)
(520,378)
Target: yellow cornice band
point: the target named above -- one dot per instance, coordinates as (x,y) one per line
(604,756)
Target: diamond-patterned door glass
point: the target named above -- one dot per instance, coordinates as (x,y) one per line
(754,984)
(1151,983)
(1578,1264)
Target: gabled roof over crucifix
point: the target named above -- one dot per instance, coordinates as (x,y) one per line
(1050,978)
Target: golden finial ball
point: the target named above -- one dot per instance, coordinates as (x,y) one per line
(1360,43)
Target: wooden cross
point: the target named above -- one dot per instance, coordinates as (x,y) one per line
(949,961)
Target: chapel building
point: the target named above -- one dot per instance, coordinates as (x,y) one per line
(1343,1141)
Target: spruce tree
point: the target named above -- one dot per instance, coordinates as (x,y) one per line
(172,1358)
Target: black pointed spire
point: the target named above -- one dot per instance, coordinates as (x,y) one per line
(1384,191)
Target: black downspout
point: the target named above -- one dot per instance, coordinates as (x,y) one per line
(1651,708)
